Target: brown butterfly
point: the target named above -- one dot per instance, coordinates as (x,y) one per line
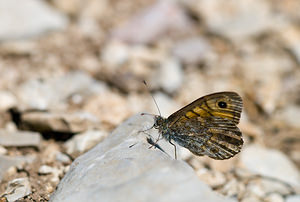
(206,126)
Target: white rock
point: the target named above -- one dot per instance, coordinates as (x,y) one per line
(115,54)
(123,168)
(274,197)
(170,75)
(191,50)
(237,19)
(62,158)
(270,186)
(36,17)
(290,115)
(17,189)
(294,198)
(59,122)
(232,188)
(250,199)
(2,150)
(44,170)
(19,138)
(7,162)
(154,22)
(213,178)
(271,163)
(47,94)
(7,100)
(84,141)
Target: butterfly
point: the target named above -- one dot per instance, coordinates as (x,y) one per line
(207,126)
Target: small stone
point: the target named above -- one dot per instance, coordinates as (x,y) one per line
(213,178)
(291,35)
(58,122)
(155,22)
(17,189)
(19,138)
(7,100)
(49,94)
(290,115)
(254,188)
(50,152)
(7,162)
(294,198)
(2,150)
(61,157)
(170,75)
(252,198)
(84,141)
(191,50)
(115,54)
(112,110)
(37,17)
(274,197)
(271,163)
(237,19)
(44,170)
(232,188)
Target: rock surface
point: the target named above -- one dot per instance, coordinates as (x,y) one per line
(123,168)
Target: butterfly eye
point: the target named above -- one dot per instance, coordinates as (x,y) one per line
(222,104)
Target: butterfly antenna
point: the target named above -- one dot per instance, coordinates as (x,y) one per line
(152,97)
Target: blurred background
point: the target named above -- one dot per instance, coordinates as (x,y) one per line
(71,66)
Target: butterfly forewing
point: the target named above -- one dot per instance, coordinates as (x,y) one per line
(208,106)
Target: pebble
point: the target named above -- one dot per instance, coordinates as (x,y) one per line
(191,51)
(115,54)
(84,141)
(2,150)
(213,178)
(44,170)
(63,158)
(7,100)
(17,189)
(154,23)
(274,197)
(48,93)
(293,198)
(290,115)
(37,17)
(270,163)
(235,19)
(19,138)
(6,162)
(58,122)
(169,76)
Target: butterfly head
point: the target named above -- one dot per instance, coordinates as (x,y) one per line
(159,122)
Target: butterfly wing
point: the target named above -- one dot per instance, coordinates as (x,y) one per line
(207,126)
(219,139)
(227,105)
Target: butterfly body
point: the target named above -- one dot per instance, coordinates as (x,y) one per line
(207,126)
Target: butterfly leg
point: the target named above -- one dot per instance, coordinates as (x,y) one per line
(156,141)
(174,148)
